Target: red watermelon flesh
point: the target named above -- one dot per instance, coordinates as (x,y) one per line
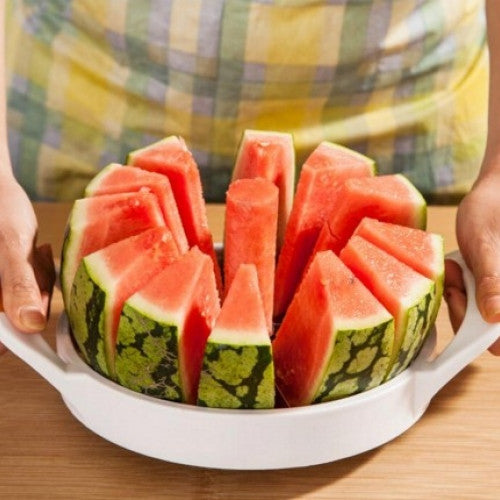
(116,178)
(330,299)
(407,295)
(144,255)
(184,294)
(237,369)
(269,155)
(322,174)
(172,158)
(97,222)
(242,315)
(118,271)
(390,198)
(250,234)
(421,250)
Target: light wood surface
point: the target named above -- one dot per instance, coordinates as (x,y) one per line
(452,452)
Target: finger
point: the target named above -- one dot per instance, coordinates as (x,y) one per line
(453,276)
(21,295)
(486,270)
(45,273)
(454,293)
(456,300)
(495,348)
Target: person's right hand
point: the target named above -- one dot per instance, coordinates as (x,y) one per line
(26,271)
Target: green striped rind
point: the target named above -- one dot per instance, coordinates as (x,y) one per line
(417,326)
(237,376)
(87,318)
(147,355)
(62,274)
(359,361)
(439,283)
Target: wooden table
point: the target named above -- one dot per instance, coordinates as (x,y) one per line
(452,452)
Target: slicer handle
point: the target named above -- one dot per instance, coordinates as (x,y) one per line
(472,339)
(34,350)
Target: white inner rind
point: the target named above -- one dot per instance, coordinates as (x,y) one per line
(414,193)
(352,153)
(76,222)
(166,140)
(362,323)
(239,337)
(438,251)
(156,313)
(419,289)
(96,181)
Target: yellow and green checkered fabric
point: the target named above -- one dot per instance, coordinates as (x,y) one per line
(403,81)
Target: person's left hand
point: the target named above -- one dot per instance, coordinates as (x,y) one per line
(478,236)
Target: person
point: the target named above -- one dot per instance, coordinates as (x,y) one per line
(404,82)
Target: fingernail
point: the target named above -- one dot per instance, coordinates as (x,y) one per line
(492,307)
(32,318)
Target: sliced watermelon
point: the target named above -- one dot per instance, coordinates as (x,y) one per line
(97,222)
(172,158)
(407,295)
(104,280)
(250,234)
(390,198)
(421,250)
(238,367)
(320,179)
(116,178)
(335,339)
(164,327)
(270,155)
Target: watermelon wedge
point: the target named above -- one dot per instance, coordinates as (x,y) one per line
(335,339)
(238,367)
(390,198)
(164,327)
(104,280)
(407,295)
(172,158)
(250,234)
(322,174)
(116,178)
(269,155)
(95,223)
(421,250)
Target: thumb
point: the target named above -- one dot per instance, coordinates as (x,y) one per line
(486,270)
(22,300)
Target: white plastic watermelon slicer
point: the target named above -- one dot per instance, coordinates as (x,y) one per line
(251,439)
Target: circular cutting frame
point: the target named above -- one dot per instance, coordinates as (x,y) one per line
(251,439)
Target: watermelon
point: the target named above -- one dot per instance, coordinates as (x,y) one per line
(407,295)
(335,339)
(238,369)
(322,174)
(95,223)
(390,198)
(250,234)
(421,250)
(103,281)
(164,327)
(269,155)
(172,158)
(117,178)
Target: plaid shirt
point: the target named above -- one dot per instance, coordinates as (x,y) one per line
(403,81)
